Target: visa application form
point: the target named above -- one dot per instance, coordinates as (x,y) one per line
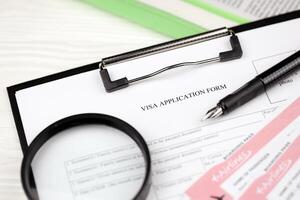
(166,110)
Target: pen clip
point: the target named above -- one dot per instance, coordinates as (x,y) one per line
(113,85)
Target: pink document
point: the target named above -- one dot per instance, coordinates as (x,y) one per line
(265,167)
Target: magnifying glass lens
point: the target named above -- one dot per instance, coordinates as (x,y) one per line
(88,162)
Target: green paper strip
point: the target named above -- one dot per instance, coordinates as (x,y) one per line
(149,17)
(210,8)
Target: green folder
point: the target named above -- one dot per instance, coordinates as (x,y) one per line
(161,21)
(217,11)
(149,17)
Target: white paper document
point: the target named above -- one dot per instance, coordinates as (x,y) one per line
(255,9)
(166,110)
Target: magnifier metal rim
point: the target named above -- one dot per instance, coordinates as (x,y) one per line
(78,120)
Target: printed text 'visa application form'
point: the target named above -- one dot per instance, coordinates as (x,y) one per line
(166,110)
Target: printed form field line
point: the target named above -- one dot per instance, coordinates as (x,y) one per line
(78,167)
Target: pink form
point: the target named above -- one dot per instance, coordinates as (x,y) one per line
(209,185)
(262,186)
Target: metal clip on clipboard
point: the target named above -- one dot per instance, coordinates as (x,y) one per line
(113,85)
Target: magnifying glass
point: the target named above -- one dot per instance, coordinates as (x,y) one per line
(92,156)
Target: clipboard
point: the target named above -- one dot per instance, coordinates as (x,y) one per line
(95,66)
(13,89)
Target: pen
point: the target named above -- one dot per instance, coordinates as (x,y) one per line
(255,87)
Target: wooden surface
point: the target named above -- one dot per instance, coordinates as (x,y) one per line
(40,37)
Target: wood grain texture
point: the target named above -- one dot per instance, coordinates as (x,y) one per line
(40,37)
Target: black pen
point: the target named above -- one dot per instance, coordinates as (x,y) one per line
(256,86)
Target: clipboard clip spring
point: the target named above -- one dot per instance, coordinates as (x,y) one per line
(113,85)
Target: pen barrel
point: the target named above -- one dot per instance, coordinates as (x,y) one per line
(281,70)
(259,84)
(242,95)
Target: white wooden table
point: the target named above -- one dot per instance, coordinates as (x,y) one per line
(40,37)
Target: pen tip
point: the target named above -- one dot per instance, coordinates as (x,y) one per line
(205,117)
(213,113)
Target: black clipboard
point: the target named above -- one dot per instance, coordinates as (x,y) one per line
(15,88)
